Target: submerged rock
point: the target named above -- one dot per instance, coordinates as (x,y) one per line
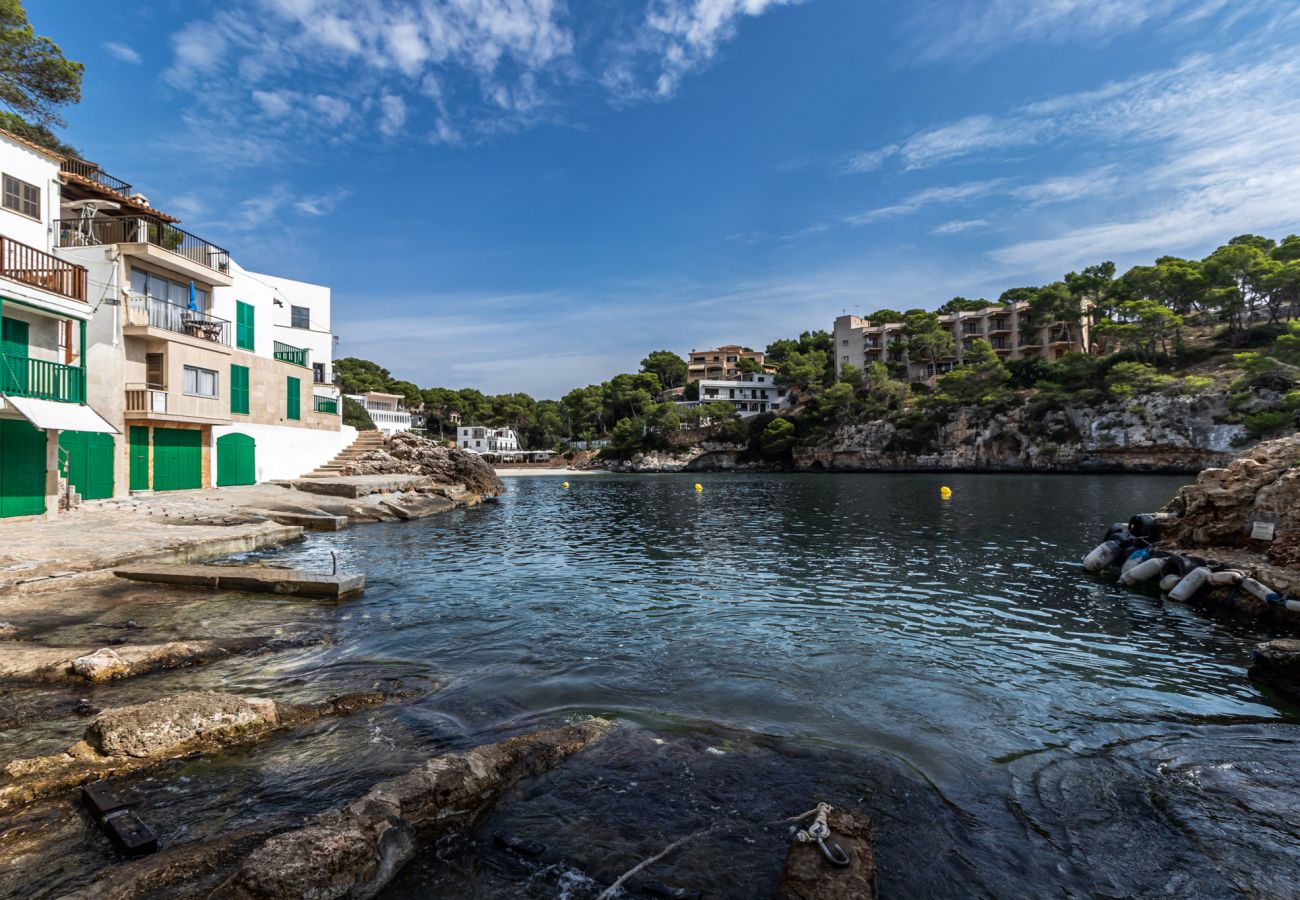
(134,737)
(1277,664)
(808,876)
(354,851)
(23,661)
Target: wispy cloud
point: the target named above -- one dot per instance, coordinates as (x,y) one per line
(123,53)
(957,226)
(943,194)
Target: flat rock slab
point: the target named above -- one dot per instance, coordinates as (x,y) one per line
(354,486)
(257,579)
(309,521)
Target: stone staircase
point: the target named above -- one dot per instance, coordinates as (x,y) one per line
(366,442)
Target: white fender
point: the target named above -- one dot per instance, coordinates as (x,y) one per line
(1137,557)
(1192,582)
(1227,576)
(1106,554)
(1168,583)
(1293,605)
(1146,569)
(1263,592)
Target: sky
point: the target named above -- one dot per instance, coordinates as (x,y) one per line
(530,195)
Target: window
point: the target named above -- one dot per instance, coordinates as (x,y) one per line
(239,390)
(199,382)
(147,284)
(22,198)
(299,317)
(244,321)
(153,371)
(293,392)
(318,373)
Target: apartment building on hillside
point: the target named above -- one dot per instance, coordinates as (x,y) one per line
(751,394)
(1010,330)
(720,362)
(386,411)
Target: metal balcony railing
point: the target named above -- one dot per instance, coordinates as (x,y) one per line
(180,319)
(325,405)
(140,230)
(290,354)
(93,172)
(40,269)
(42,380)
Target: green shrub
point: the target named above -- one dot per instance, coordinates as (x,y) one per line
(355,414)
(1267,422)
(1128,378)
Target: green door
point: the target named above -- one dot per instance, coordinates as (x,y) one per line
(13,356)
(22,469)
(177,459)
(139,448)
(293,395)
(86,461)
(236,460)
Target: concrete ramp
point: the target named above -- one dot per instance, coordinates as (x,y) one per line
(257,579)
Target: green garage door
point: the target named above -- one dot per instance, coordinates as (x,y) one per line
(177,459)
(236,460)
(87,463)
(138,444)
(22,469)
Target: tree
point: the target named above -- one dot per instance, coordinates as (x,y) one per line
(410,394)
(803,371)
(439,404)
(356,376)
(1091,291)
(982,377)
(882,393)
(885,317)
(747,365)
(667,366)
(777,438)
(1016,295)
(355,414)
(35,77)
(961,304)
(1237,273)
(852,376)
(1054,303)
(37,134)
(585,408)
(928,338)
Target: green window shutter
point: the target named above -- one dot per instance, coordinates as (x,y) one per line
(293,394)
(13,356)
(239,389)
(243,325)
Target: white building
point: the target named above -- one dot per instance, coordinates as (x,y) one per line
(386,411)
(481,439)
(750,394)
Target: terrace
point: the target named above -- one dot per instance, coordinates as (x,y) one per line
(102,230)
(290,354)
(41,270)
(158,313)
(40,379)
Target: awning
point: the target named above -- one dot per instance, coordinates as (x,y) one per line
(53,416)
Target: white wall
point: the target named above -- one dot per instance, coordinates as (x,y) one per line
(40,170)
(287,452)
(319,339)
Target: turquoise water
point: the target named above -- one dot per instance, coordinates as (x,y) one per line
(1015,727)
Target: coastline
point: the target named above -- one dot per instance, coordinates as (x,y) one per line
(517,472)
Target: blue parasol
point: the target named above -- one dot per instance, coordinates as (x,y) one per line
(193,303)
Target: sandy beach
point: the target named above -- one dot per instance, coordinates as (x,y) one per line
(514,472)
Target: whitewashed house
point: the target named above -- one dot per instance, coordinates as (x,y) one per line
(481,439)
(751,394)
(386,411)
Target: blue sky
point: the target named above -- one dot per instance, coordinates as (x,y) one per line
(531,194)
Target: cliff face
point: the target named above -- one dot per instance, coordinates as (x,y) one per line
(1151,434)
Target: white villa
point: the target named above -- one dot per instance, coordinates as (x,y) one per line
(481,439)
(386,411)
(751,394)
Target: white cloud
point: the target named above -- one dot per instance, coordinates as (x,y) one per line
(957,226)
(392,114)
(1063,188)
(943,194)
(123,53)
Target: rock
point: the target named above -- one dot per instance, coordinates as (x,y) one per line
(354,851)
(171,725)
(808,876)
(101,665)
(1277,664)
(8,631)
(408,454)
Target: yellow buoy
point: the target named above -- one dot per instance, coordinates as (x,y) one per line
(945,493)
(699,487)
(565,485)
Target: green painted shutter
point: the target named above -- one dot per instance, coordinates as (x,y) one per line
(13,356)
(239,389)
(22,469)
(87,463)
(243,325)
(177,459)
(236,460)
(293,393)
(139,444)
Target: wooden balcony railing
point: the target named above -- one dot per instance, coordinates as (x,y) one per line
(140,230)
(290,354)
(143,399)
(40,269)
(180,319)
(325,405)
(93,172)
(42,380)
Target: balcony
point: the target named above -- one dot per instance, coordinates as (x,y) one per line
(325,405)
(181,319)
(290,354)
(42,270)
(998,325)
(42,380)
(1031,339)
(144,400)
(92,172)
(140,230)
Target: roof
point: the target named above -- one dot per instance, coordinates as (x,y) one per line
(32,145)
(93,185)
